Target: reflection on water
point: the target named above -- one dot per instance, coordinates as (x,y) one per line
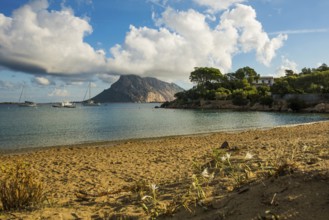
(47,126)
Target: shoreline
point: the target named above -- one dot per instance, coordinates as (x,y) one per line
(99,180)
(110,143)
(120,141)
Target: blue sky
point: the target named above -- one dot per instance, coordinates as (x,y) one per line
(55,48)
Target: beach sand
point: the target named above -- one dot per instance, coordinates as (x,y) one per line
(286,177)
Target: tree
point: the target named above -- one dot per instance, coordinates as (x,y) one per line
(247,73)
(203,75)
(323,67)
(306,71)
(263,90)
(289,72)
(222,93)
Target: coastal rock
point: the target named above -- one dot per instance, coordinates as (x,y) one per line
(225,145)
(322,107)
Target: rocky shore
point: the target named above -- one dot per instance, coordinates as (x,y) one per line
(278,106)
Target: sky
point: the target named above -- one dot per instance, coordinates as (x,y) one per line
(53,49)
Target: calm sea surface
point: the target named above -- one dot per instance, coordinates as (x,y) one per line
(47,126)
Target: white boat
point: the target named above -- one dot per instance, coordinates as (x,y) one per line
(26,103)
(65,104)
(90,102)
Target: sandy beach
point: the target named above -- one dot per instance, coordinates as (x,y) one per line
(255,174)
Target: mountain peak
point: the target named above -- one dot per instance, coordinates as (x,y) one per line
(132,88)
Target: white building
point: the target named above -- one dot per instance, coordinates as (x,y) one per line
(264,80)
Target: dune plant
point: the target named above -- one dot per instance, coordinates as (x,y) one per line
(19,187)
(150,202)
(216,155)
(196,193)
(197,187)
(139,188)
(151,205)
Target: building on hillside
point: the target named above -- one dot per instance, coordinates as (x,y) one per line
(264,80)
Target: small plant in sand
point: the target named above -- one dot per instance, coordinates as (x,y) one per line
(150,202)
(140,188)
(282,161)
(217,155)
(197,188)
(238,171)
(154,207)
(19,188)
(196,194)
(226,159)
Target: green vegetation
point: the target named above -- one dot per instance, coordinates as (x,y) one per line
(211,84)
(308,81)
(241,89)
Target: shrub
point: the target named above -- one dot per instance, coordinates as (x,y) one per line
(266,100)
(239,98)
(19,188)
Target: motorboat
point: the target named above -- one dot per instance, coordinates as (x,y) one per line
(65,104)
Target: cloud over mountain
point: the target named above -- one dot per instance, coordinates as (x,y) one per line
(185,40)
(37,40)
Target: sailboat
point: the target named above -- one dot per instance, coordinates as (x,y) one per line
(26,103)
(90,102)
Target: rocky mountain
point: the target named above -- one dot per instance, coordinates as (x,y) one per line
(132,88)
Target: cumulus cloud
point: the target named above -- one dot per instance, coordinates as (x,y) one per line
(286,64)
(185,40)
(36,40)
(149,51)
(216,5)
(252,36)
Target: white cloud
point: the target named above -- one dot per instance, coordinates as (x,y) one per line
(59,93)
(34,40)
(252,36)
(150,52)
(217,5)
(185,40)
(286,64)
(41,81)
(301,31)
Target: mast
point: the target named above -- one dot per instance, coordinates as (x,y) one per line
(89,91)
(20,97)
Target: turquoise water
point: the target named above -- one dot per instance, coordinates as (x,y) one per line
(47,126)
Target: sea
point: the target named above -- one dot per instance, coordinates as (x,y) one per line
(42,126)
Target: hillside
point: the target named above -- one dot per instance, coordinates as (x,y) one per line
(132,88)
